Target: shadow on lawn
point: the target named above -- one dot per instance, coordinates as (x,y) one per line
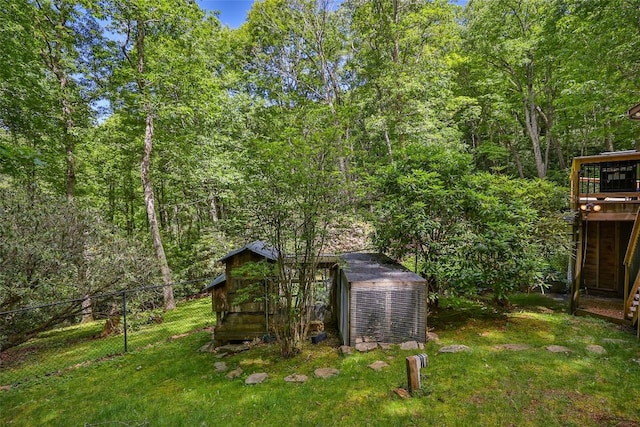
(455,312)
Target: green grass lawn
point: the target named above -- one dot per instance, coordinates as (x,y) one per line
(62,348)
(171,384)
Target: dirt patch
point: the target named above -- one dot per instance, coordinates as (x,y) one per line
(612,420)
(609,307)
(17,355)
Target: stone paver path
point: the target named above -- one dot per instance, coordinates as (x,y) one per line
(364,347)
(512,347)
(597,349)
(432,336)
(326,372)
(345,349)
(379,365)
(409,345)
(256,378)
(559,349)
(457,348)
(235,373)
(296,378)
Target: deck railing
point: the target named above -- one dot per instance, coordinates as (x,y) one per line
(632,265)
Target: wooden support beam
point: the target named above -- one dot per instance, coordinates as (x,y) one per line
(414,364)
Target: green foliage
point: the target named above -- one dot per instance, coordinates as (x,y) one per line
(466,230)
(294,183)
(53,251)
(420,212)
(518,233)
(308,111)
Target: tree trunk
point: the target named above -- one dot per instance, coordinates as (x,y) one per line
(52,54)
(213,207)
(533,130)
(149,202)
(87,310)
(147,187)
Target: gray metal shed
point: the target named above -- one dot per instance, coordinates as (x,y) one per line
(378,300)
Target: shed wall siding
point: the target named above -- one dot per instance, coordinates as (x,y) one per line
(387,313)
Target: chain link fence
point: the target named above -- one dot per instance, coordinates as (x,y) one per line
(97,327)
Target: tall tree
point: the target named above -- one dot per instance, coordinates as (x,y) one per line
(49,49)
(296,174)
(160,68)
(596,46)
(402,56)
(507,39)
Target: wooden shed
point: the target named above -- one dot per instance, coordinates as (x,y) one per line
(605,196)
(240,296)
(378,300)
(240,299)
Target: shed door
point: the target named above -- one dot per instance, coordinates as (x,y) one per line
(606,246)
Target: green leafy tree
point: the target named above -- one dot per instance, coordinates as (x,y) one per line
(599,74)
(294,173)
(507,40)
(44,243)
(519,238)
(421,211)
(49,48)
(402,58)
(160,69)
(465,230)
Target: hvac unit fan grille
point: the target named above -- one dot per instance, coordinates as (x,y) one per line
(388,314)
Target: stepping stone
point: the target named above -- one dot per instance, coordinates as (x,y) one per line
(385,345)
(558,349)
(409,345)
(296,378)
(364,347)
(597,349)
(235,373)
(233,348)
(614,341)
(326,372)
(512,347)
(220,366)
(208,348)
(377,366)
(345,349)
(256,378)
(457,348)
(432,336)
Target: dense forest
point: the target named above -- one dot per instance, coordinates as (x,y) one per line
(140,140)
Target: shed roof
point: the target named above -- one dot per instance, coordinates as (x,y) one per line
(258,247)
(216,282)
(376,267)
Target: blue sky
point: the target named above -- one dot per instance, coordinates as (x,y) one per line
(232,12)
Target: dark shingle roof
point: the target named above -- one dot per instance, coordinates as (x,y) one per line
(375,267)
(216,282)
(258,247)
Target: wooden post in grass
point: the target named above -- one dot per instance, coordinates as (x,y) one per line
(414,363)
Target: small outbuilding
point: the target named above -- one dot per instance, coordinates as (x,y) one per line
(239,298)
(379,300)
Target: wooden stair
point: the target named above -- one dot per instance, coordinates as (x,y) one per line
(632,275)
(633,303)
